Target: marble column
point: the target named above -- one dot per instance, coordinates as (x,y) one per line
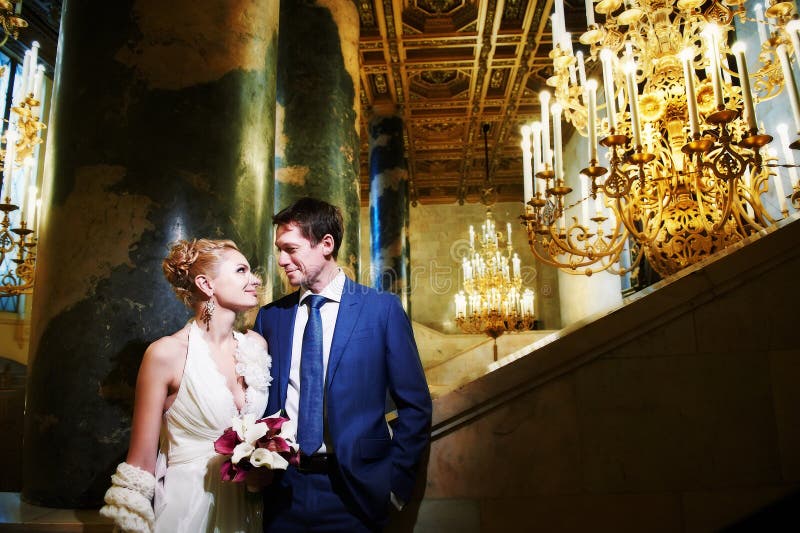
(388,207)
(317,115)
(162,128)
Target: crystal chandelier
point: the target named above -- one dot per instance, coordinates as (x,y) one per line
(19,192)
(686,164)
(493,300)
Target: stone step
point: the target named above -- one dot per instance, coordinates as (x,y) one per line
(17,516)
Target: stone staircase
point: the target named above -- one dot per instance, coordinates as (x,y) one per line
(453,360)
(676,411)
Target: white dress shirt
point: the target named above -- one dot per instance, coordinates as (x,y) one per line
(328,312)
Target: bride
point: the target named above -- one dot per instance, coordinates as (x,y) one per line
(190,386)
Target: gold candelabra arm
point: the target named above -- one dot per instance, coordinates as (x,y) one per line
(571,265)
(577,250)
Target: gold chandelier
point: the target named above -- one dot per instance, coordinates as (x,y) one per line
(493,300)
(10,19)
(20,205)
(686,164)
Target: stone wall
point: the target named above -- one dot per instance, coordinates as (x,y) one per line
(438,235)
(677,412)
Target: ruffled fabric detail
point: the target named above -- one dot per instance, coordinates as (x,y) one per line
(253,363)
(129,500)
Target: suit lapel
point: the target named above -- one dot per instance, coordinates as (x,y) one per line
(349,310)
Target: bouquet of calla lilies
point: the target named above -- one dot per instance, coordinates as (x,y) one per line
(252,443)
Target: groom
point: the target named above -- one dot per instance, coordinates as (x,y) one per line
(337,349)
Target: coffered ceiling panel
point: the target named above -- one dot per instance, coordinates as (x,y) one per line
(447,67)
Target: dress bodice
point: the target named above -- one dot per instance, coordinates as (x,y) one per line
(204,405)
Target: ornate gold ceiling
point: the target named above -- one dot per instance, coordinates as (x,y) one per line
(447,67)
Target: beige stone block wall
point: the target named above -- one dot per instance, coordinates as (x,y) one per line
(439,234)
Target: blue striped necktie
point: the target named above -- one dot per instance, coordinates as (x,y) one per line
(309,427)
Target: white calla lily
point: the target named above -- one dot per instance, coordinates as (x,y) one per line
(268,459)
(242,450)
(247,429)
(260,457)
(278,462)
(289,431)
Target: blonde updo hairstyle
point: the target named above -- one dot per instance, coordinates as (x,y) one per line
(189,259)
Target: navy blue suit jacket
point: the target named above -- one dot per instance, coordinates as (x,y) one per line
(373,351)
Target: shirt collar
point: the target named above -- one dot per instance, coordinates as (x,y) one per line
(332,291)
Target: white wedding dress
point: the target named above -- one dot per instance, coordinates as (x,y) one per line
(190,495)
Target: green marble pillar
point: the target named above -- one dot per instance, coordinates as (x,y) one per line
(388,208)
(162,128)
(317,114)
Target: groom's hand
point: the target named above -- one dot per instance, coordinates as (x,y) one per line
(258,478)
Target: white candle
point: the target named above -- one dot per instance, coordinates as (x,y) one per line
(24,198)
(633,102)
(527,170)
(712,33)
(508,232)
(606,56)
(726,75)
(761,23)
(471,237)
(566,39)
(791,86)
(744,80)
(515,264)
(38,82)
(598,204)
(581,68)
(26,68)
(31,211)
(547,155)
(32,72)
(8,165)
(591,90)
(461,304)
(691,97)
(38,214)
(537,150)
(779,192)
(589,13)
(555,109)
(788,154)
(560,21)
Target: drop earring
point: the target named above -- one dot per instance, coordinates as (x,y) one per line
(208,312)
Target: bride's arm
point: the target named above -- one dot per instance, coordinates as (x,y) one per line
(159,377)
(129,500)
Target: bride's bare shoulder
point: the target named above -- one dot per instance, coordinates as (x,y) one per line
(170,348)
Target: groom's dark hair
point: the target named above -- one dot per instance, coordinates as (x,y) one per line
(315,218)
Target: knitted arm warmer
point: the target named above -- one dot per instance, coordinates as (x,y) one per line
(129,500)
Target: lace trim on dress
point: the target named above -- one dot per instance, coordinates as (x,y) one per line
(252,363)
